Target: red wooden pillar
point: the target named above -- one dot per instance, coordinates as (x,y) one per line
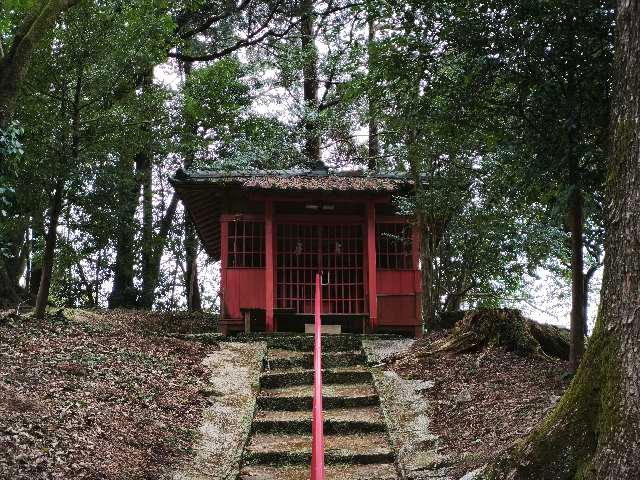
(371,265)
(268,281)
(224,231)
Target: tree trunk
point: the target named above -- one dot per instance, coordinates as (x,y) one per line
(310,81)
(588,276)
(192,285)
(37,230)
(144,160)
(426,255)
(575,217)
(49,250)
(144,165)
(594,431)
(123,293)
(194,302)
(374,141)
(152,245)
(8,294)
(426,261)
(16,263)
(14,65)
(58,198)
(151,270)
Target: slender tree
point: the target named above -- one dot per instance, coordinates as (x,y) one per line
(373,151)
(192,285)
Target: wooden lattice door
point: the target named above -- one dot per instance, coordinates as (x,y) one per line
(336,251)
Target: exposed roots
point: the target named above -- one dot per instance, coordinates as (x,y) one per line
(504,328)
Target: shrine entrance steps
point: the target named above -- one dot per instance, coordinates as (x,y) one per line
(356,441)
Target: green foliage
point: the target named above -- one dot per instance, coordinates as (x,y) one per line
(215,95)
(221,130)
(553,62)
(489,105)
(10,145)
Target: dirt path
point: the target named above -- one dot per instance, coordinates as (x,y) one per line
(231,390)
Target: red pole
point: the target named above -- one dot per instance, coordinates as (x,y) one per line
(317,435)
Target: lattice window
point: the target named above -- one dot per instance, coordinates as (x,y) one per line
(394,249)
(245,245)
(337,251)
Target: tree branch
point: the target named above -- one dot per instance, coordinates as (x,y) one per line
(248,41)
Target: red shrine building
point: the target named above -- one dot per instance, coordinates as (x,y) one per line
(273,231)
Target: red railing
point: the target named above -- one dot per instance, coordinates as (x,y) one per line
(317,434)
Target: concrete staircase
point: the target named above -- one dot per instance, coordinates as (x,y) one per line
(356,442)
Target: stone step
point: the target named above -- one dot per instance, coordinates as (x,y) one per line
(337,421)
(300,397)
(373,414)
(304,342)
(294,377)
(381,471)
(278,359)
(291,449)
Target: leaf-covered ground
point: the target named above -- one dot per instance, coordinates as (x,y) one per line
(481,402)
(98,396)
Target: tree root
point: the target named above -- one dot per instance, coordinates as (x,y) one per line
(504,328)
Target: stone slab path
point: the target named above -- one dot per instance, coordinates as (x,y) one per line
(357,443)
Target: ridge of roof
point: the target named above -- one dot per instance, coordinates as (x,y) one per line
(182,174)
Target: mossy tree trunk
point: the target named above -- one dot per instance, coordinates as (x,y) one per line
(594,432)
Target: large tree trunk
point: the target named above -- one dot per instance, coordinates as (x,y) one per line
(49,249)
(123,294)
(594,431)
(14,65)
(12,267)
(310,81)
(575,220)
(19,249)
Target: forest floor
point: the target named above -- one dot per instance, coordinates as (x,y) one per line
(480,403)
(107,395)
(99,395)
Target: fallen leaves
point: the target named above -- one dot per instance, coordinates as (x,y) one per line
(481,402)
(99,395)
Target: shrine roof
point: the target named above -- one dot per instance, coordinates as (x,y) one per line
(316,180)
